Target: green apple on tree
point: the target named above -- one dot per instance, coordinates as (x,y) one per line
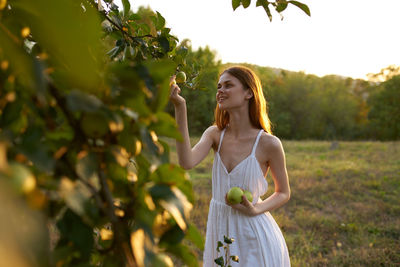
(180,77)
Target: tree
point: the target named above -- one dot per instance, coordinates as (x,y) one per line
(384,114)
(82,129)
(84,88)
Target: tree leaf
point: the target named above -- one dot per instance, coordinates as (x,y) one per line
(165,125)
(80,101)
(194,235)
(281,6)
(70,32)
(87,168)
(138,246)
(185,254)
(266,8)
(260,3)
(302,6)
(160,21)
(76,231)
(235,4)
(127,7)
(246,3)
(21,62)
(172,237)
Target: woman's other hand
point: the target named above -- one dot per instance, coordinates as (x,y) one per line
(245,206)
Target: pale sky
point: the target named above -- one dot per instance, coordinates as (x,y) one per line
(345,37)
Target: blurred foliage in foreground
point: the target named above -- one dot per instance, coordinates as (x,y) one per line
(83,93)
(85,178)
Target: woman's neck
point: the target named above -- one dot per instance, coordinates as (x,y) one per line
(239,123)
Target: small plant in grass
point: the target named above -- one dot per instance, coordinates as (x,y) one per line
(225,261)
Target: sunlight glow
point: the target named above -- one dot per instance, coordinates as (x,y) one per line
(348,38)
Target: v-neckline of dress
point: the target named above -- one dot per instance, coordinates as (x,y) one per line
(234,168)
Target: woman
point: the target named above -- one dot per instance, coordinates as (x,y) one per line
(244,150)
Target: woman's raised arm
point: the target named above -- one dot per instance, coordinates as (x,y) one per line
(188,157)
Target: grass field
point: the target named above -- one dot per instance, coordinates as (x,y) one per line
(345,203)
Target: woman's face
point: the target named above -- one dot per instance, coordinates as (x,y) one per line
(231,93)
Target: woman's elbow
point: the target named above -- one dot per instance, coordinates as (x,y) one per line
(287,196)
(185,165)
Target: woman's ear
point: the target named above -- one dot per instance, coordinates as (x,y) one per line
(249,94)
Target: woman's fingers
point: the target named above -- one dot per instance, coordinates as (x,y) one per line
(175,90)
(172,80)
(245,201)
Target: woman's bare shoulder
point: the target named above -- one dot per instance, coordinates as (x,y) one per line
(214,134)
(270,142)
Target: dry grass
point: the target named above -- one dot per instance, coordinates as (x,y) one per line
(344,209)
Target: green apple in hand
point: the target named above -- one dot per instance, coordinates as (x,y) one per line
(235,195)
(248,195)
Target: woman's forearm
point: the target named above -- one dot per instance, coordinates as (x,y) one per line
(183,148)
(274,201)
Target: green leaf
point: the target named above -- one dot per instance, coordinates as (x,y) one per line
(69,31)
(235,4)
(165,155)
(87,169)
(12,117)
(76,231)
(219,261)
(76,195)
(35,150)
(165,125)
(158,73)
(20,62)
(127,7)
(185,254)
(266,8)
(172,237)
(80,101)
(281,6)
(246,3)
(302,6)
(194,235)
(171,174)
(260,3)
(160,21)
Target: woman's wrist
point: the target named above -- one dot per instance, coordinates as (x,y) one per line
(180,104)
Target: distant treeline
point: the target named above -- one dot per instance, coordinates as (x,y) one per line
(304,106)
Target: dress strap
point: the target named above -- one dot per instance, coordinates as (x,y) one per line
(256,142)
(220,139)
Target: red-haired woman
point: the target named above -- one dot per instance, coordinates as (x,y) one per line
(245,150)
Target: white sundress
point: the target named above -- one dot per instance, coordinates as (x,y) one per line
(258,239)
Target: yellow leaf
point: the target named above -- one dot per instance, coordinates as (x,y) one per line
(4,64)
(137,243)
(174,211)
(25,32)
(149,202)
(3,4)
(106,234)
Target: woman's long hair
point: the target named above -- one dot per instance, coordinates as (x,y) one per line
(258,109)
